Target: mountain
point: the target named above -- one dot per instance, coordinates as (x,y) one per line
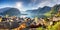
(44,9)
(39,12)
(54,10)
(9,11)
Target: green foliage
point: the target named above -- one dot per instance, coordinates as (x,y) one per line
(48,14)
(56,26)
(49,27)
(58,14)
(40,28)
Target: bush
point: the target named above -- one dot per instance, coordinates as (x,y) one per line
(56,26)
(40,28)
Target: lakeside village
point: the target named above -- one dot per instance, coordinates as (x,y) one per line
(18,23)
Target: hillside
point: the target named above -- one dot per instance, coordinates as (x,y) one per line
(9,11)
(53,11)
(39,12)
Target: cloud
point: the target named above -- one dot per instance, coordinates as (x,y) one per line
(42,3)
(58,1)
(46,3)
(24,5)
(3,6)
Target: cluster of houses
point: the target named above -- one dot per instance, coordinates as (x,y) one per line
(21,23)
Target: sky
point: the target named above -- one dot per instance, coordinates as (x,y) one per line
(24,5)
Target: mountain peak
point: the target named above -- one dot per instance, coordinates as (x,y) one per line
(46,7)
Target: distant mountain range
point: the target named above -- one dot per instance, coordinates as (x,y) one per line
(44,12)
(39,12)
(9,11)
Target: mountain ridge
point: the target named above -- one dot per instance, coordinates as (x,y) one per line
(10,11)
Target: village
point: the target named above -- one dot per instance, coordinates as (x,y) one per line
(17,23)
